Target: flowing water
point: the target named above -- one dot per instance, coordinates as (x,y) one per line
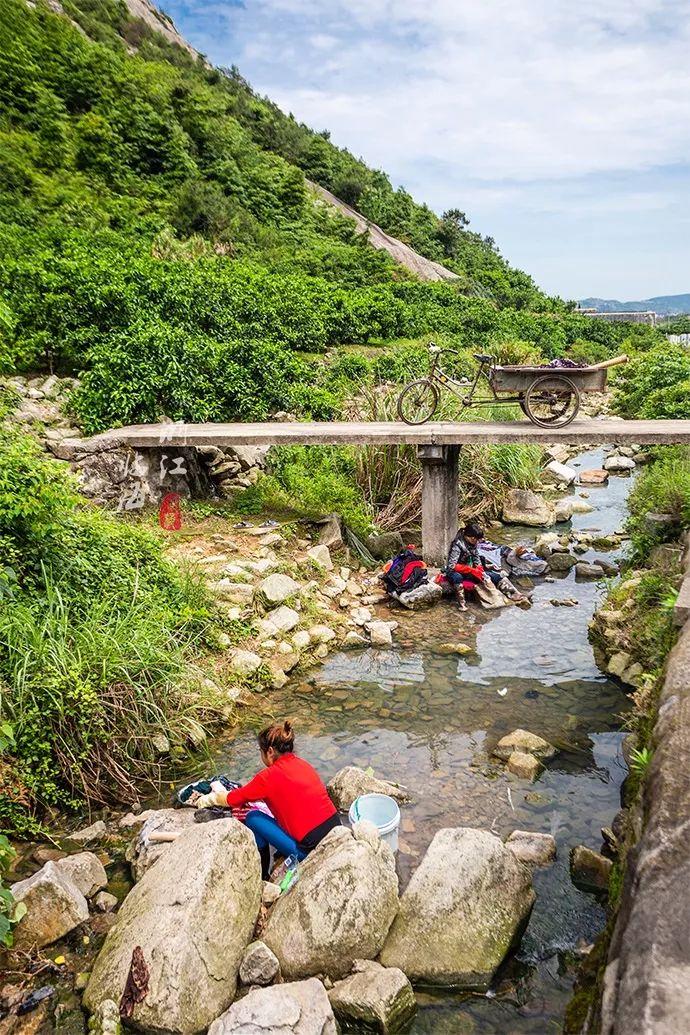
(429,719)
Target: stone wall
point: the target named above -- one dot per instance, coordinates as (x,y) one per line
(647,978)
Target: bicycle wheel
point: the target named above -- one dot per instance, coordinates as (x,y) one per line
(552,401)
(417,402)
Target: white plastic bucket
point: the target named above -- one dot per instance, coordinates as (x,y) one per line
(382,811)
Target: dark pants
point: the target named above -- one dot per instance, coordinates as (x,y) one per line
(457,577)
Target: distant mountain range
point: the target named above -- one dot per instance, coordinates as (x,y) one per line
(664,305)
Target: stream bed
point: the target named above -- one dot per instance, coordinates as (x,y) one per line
(429,719)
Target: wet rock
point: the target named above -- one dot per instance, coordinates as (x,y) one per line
(192,920)
(618,663)
(105,902)
(259,965)
(54,904)
(606,566)
(589,869)
(565,508)
(464,908)
(532,848)
(588,571)
(619,463)
(89,835)
(380,634)
(297,1008)
(524,507)
(611,845)
(561,561)
(351,782)
(594,476)
(353,639)
(276,589)
(244,662)
(376,998)
(322,555)
(566,602)
(523,740)
(86,871)
(340,909)
(525,766)
(561,472)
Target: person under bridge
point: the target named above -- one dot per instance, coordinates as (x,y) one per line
(466,570)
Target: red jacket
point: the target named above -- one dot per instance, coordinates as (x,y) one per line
(293,791)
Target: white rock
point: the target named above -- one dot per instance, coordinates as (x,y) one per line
(89,835)
(531,847)
(105,902)
(321,634)
(561,472)
(244,662)
(259,965)
(297,1008)
(301,639)
(361,615)
(322,555)
(619,463)
(276,589)
(565,508)
(523,741)
(380,634)
(351,781)
(233,592)
(281,620)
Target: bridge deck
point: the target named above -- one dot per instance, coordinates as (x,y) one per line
(143,436)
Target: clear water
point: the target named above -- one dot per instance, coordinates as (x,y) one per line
(429,719)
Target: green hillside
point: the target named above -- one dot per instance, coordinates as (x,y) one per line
(157,233)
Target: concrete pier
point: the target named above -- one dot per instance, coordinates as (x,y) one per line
(439,500)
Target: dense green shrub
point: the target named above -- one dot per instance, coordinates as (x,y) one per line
(661,488)
(644,383)
(97,632)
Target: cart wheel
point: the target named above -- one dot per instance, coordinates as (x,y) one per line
(552,401)
(417,402)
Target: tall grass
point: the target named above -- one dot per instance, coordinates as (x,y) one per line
(662,488)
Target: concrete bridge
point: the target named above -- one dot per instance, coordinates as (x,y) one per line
(437,444)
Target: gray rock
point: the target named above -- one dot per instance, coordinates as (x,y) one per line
(376,998)
(565,508)
(245,662)
(523,740)
(659,524)
(561,561)
(619,463)
(349,783)
(524,507)
(532,848)
(322,555)
(259,965)
(339,910)
(281,620)
(589,869)
(380,634)
(248,456)
(89,835)
(86,871)
(143,853)
(384,545)
(192,920)
(618,663)
(560,472)
(330,531)
(233,592)
(54,904)
(464,908)
(588,571)
(277,588)
(298,1008)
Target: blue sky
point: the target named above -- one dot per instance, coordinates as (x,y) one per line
(561,128)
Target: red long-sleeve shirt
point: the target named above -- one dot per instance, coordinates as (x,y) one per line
(293,791)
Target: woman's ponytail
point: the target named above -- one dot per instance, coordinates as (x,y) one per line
(280,736)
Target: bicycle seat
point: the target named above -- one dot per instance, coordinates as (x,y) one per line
(481,358)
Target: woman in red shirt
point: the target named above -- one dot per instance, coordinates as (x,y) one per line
(293,791)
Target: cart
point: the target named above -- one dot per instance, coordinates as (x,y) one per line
(549,396)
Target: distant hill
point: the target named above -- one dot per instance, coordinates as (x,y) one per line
(665,305)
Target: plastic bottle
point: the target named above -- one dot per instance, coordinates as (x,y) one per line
(291,865)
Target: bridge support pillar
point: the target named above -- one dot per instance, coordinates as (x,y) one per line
(439,500)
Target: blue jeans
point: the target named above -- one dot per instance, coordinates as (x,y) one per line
(267,832)
(457,577)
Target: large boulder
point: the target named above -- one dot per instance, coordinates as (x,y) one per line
(54,907)
(524,507)
(167,824)
(375,998)
(339,910)
(86,871)
(300,1008)
(349,783)
(464,908)
(192,919)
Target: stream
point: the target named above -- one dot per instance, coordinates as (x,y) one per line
(429,719)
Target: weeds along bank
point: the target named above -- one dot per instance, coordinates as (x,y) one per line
(633,635)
